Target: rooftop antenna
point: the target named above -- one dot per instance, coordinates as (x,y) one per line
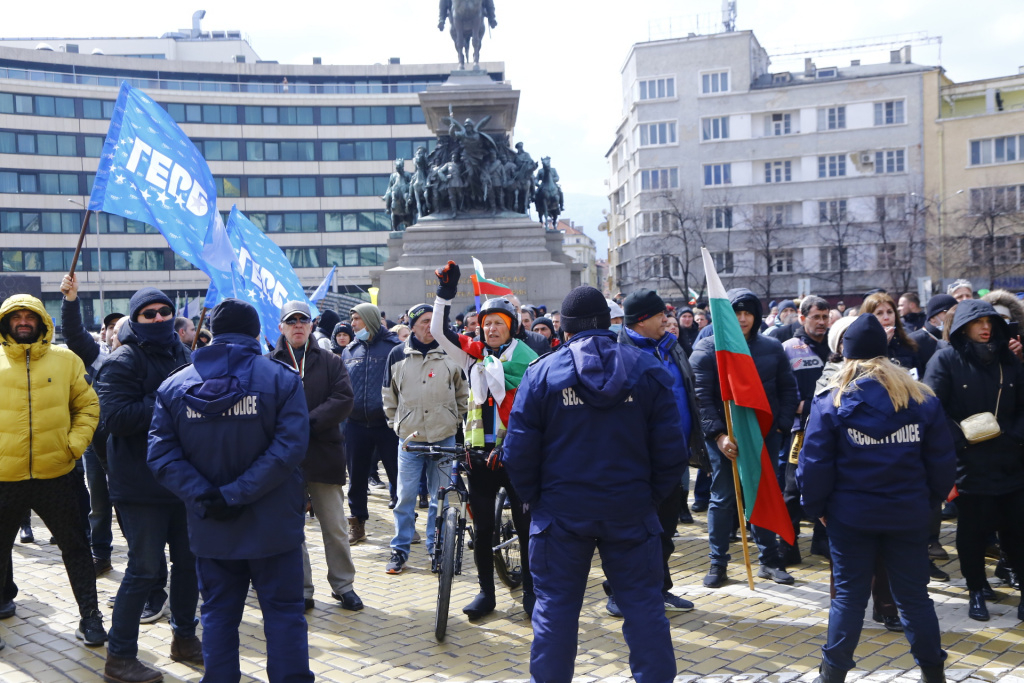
(729,16)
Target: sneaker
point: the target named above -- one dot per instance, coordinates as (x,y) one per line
(949,511)
(102,566)
(153,613)
(91,630)
(937,574)
(674,603)
(416,538)
(715,577)
(611,606)
(424,502)
(129,670)
(775,574)
(396,563)
(937,552)
(376,483)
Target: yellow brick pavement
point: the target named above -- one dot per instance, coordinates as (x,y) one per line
(772,635)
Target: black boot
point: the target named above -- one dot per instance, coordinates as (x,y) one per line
(829,674)
(482,605)
(933,674)
(819,541)
(977,609)
(684,510)
(789,554)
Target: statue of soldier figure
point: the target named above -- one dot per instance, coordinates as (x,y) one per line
(398,197)
(548,194)
(467,20)
(453,176)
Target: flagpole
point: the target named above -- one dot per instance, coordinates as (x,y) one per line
(202,316)
(81,239)
(739,498)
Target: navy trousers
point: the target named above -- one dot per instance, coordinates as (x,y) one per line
(278,583)
(361,441)
(905,554)
(561,551)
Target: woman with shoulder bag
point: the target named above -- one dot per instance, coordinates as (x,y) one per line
(980,383)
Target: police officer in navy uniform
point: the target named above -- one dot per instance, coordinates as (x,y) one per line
(228,434)
(877,455)
(593,447)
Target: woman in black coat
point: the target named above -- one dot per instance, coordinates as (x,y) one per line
(977,372)
(902,349)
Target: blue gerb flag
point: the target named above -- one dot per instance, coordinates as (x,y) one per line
(150,171)
(260,274)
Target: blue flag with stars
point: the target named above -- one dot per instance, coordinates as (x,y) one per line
(260,275)
(150,171)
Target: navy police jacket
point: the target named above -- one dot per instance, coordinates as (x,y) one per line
(867,466)
(594,432)
(236,421)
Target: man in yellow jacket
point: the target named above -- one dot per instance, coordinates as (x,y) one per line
(48,413)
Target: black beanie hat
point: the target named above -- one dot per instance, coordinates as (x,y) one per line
(939,303)
(865,339)
(234,316)
(581,306)
(145,297)
(328,319)
(416,311)
(641,305)
(547,323)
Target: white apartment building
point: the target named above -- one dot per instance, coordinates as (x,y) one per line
(796,181)
(581,248)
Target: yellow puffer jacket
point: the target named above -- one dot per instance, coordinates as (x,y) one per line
(48,411)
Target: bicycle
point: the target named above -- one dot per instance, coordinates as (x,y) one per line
(508,561)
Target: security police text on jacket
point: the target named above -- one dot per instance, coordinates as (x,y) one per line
(328,391)
(966,384)
(772,367)
(237,422)
(567,396)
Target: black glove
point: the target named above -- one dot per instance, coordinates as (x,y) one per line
(448,280)
(216,507)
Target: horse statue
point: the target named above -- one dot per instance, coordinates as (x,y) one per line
(421,183)
(548,198)
(398,198)
(467,19)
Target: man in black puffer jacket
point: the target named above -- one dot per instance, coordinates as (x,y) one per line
(367,428)
(780,388)
(151,516)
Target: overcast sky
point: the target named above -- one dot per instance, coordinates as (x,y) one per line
(563,56)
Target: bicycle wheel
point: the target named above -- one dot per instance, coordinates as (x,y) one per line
(446,571)
(507,561)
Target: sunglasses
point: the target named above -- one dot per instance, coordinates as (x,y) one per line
(298,320)
(152,313)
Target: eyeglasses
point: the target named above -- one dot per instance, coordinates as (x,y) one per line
(298,320)
(152,313)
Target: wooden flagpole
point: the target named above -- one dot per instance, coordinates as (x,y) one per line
(202,316)
(81,239)
(739,497)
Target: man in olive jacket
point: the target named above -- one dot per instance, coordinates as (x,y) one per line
(328,391)
(48,413)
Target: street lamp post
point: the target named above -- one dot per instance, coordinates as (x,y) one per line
(99,262)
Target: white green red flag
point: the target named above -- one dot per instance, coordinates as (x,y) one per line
(482,285)
(751,413)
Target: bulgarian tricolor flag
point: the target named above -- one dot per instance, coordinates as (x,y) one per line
(743,393)
(481,285)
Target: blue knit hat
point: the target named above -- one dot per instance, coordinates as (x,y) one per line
(865,339)
(145,297)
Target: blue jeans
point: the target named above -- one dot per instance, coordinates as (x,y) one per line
(147,529)
(722,509)
(905,554)
(278,583)
(100,513)
(410,467)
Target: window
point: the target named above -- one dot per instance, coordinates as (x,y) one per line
(44,144)
(302,257)
(51,260)
(109,223)
(657,134)
(285,222)
(778,171)
(832,166)
(711,83)
(93,146)
(356,256)
(776,215)
(98,109)
(886,256)
(228,187)
(39,183)
(361,150)
(357,221)
(832,259)
(360,186)
(782,262)
(206,113)
(656,221)
(996,200)
(132,259)
(657,88)
(718,218)
(889,161)
(716,128)
(832,211)
(778,124)
(218,150)
(997,150)
(717,174)
(723,261)
(826,73)
(659,179)
(889,113)
(405,115)
(892,208)
(285,116)
(1001,250)
(831,118)
(406,149)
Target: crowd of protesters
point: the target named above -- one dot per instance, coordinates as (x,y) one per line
(886,419)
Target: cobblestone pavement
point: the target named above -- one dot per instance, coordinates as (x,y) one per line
(771,635)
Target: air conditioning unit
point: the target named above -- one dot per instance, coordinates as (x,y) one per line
(867,158)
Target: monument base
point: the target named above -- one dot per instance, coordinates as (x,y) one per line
(514,250)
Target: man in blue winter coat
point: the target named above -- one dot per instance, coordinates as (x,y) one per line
(228,435)
(593,447)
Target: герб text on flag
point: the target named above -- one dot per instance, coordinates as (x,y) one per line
(751,413)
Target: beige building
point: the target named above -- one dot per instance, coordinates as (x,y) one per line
(974,180)
(582,249)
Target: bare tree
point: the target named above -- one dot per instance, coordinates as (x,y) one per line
(673,226)
(839,239)
(898,236)
(768,234)
(986,241)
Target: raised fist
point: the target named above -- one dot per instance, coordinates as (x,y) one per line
(448,280)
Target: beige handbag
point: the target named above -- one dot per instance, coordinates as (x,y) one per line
(983,426)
